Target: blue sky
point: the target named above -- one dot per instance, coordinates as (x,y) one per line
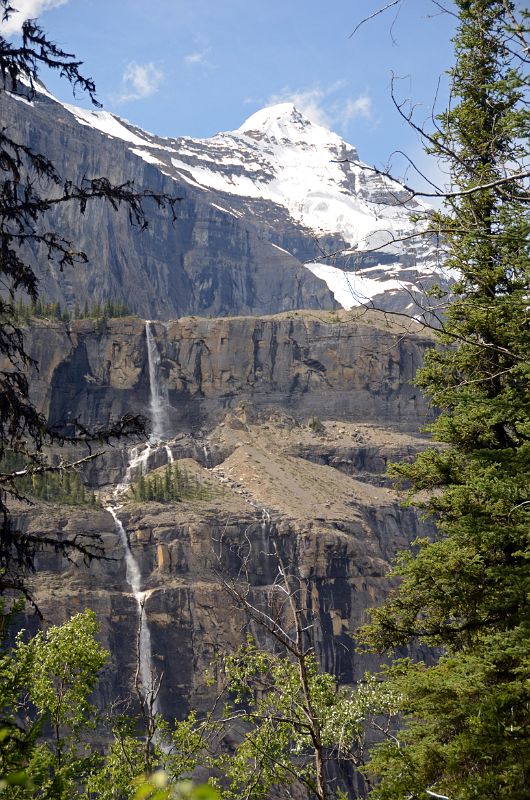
(177,67)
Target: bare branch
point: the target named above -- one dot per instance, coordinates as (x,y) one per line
(38,469)
(263,619)
(517,29)
(516,176)
(374,15)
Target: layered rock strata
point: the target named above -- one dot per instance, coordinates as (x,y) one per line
(355,365)
(289,423)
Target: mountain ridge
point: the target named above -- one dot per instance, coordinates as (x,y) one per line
(288,191)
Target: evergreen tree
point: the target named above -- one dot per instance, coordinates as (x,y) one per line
(467,720)
(173,483)
(140,491)
(168,488)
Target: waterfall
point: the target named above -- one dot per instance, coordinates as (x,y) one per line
(139,461)
(158,400)
(134,579)
(265,520)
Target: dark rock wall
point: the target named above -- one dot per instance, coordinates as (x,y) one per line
(191,617)
(353,366)
(236,376)
(206,261)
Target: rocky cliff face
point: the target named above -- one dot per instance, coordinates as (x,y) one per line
(354,365)
(288,422)
(336,532)
(205,262)
(260,208)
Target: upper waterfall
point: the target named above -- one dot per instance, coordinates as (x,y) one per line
(158,399)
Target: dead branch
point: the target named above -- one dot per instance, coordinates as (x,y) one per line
(374,15)
(263,619)
(516,176)
(38,469)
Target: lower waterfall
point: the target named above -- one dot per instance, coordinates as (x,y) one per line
(148,681)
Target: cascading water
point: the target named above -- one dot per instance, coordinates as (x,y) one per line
(139,461)
(265,520)
(148,680)
(158,401)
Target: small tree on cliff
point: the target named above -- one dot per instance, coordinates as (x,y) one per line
(30,189)
(467,731)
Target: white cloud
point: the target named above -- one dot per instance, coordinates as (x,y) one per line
(26,9)
(200,56)
(196,58)
(322,105)
(360,107)
(140,81)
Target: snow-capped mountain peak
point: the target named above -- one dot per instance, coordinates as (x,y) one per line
(281,121)
(278,155)
(285,124)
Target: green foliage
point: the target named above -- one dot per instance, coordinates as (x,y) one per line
(46,682)
(284,713)
(64,663)
(176,749)
(65,487)
(316,425)
(47,725)
(466,733)
(172,484)
(158,787)
(115,774)
(42,309)
(467,724)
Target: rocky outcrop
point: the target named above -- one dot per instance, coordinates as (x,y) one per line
(337,533)
(289,422)
(355,365)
